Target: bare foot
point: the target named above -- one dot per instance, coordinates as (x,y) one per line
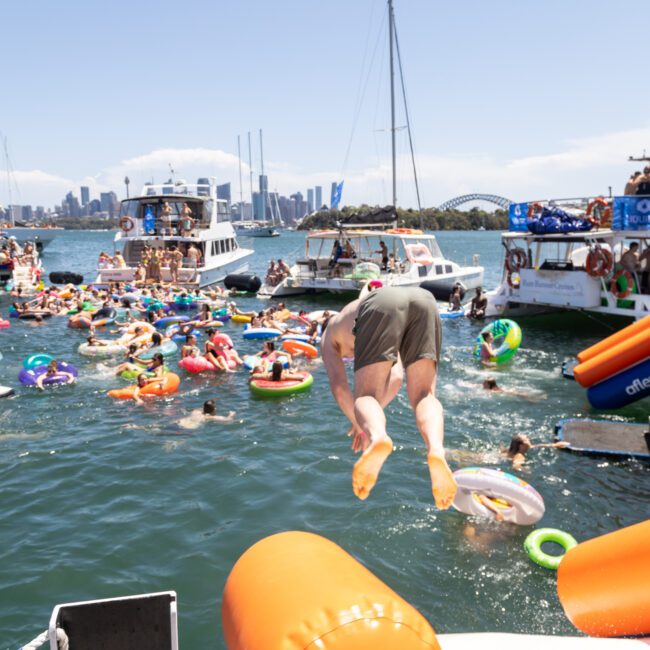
(443,484)
(367,468)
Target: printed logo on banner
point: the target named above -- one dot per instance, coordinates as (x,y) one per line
(631,213)
(518,221)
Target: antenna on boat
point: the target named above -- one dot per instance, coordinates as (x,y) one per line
(171,169)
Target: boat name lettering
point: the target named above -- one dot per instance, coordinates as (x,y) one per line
(637,386)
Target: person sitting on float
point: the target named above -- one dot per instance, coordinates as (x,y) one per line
(278,373)
(54,372)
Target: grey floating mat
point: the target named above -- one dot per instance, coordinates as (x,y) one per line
(604,438)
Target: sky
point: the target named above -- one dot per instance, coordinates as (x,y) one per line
(521,98)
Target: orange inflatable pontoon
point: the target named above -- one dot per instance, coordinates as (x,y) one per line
(604,583)
(614,339)
(300,590)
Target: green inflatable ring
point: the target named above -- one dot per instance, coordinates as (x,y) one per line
(533,546)
(134,374)
(262,388)
(500,328)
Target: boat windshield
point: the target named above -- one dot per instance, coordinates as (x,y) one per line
(200,210)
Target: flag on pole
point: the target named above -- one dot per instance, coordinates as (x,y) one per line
(336,197)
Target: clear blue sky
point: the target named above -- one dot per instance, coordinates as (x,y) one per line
(525,99)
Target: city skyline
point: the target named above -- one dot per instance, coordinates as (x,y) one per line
(501,100)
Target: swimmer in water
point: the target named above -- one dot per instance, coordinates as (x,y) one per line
(411,340)
(521,443)
(206,414)
(54,372)
(490,384)
(487,351)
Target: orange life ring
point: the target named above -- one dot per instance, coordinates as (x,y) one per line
(533,208)
(186,224)
(127,224)
(516,259)
(511,282)
(599,262)
(599,212)
(613,285)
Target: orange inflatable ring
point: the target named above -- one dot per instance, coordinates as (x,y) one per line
(167,385)
(127,224)
(533,209)
(599,212)
(603,583)
(613,285)
(300,347)
(300,590)
(516,259)
(599,262)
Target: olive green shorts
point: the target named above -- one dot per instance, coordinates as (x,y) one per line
(397,320)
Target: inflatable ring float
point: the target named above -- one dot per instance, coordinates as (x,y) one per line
(519,502)
(37,360)
(503,328)
(167,385)
(533,209)
(300,347)
(167,348)
(533,546)
(127,224)
(28,377)
(104,316)
(268,388)
(241,318)
(623,288)
(261,333)
(109,350)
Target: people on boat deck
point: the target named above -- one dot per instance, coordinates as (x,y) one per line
(166,219)
(410,340)
(630,186)
(194,256)
(52,372)
(383,249)
(630,259)
(642,182)
(478,305)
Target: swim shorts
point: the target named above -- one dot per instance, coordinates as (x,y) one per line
(394,320)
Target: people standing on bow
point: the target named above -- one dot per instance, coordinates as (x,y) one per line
(166,219)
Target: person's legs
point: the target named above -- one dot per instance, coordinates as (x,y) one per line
(429,418)
(371,384)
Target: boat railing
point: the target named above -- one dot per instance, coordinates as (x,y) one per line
(180,187)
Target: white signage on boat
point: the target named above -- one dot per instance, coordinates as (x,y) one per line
(559,288)
(637,386)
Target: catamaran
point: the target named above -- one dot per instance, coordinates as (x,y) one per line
(206,226)
(585,270)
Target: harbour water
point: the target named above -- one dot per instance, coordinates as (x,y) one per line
(102,498)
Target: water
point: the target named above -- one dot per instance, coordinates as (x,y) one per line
(103,498)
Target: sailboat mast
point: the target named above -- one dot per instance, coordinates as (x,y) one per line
(10,206)
(392,98)
(262,179)
(250,166)
(241,189)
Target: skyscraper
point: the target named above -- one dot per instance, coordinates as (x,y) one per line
(318,204)
(333,193)
(85,195)
(223,192)
(310,200)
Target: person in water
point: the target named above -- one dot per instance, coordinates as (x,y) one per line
(490,384)
(521,443)
(386,331)
(134,364)
(190,348)
(487,352)
(52,373)
(206,414)
(478,305)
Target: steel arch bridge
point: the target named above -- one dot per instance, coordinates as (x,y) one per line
(501,201)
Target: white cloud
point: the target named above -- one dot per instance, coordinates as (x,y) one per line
(585,166)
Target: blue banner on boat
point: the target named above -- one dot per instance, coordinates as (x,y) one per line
(149,223)
(631,213)
(518,219)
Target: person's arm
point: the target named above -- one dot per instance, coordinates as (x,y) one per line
(556,445)
(136,395)
(338,380)
(39,381)
(222,418)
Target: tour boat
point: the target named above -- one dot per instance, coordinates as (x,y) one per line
(418,261)
(575,270)
(208,228)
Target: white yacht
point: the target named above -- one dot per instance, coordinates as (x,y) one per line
(256,229)
(209,229)
(416,261)
(41,236)
(575,270)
